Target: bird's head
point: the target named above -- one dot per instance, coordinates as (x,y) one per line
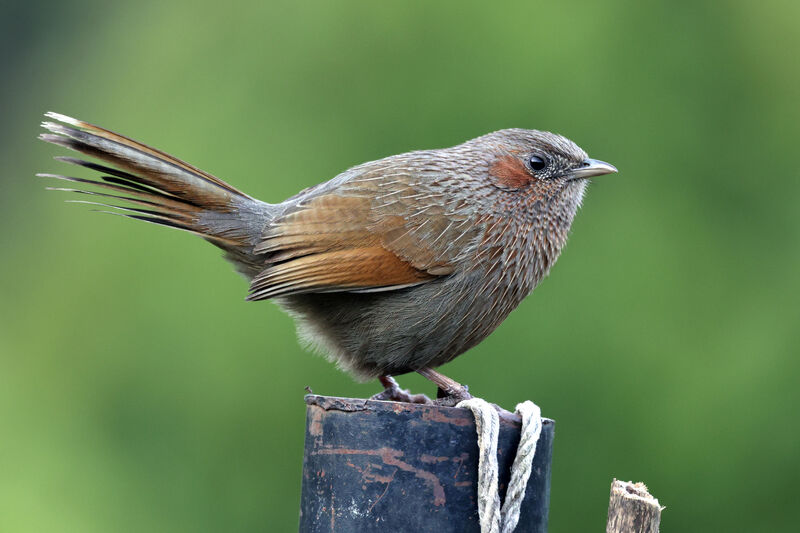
(539,165)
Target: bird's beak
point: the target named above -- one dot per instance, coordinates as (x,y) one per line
(593,167)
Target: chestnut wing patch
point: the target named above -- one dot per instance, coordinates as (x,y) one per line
(332,243)
(337,270)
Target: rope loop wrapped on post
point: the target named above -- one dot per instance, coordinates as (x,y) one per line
(493,517)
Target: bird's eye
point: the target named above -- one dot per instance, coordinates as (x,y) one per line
(536,162)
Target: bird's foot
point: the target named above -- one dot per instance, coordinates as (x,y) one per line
(393,393)
(450,392)
(452,396)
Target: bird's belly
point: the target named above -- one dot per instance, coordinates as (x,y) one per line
(400,331)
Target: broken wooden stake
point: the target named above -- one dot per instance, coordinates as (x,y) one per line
(632,509)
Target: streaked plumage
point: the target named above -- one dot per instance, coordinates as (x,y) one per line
(392,266)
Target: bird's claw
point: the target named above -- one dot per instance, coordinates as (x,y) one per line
(393,393)
(452,396)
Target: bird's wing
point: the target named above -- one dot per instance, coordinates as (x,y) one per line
(382,229)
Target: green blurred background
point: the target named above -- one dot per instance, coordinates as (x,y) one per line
(139,392)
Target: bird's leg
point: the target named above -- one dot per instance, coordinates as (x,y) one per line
(450,391)
(393,393)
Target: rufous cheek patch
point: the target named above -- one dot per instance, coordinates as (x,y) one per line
(510,172)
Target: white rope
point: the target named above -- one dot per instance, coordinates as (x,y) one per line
(493,518)
(487,422)
(521,468)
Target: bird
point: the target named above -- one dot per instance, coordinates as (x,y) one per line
(394,266)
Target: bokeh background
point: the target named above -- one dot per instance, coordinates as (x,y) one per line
(139,392)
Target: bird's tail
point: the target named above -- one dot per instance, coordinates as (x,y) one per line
(155,187)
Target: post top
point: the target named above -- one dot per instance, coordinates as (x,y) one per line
(452,415)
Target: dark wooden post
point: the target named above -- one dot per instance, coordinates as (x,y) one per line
(631,509)
(386,466)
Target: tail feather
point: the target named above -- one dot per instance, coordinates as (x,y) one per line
(117,148)
(142,194)
(148,166)
(158,188)
(116,176)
